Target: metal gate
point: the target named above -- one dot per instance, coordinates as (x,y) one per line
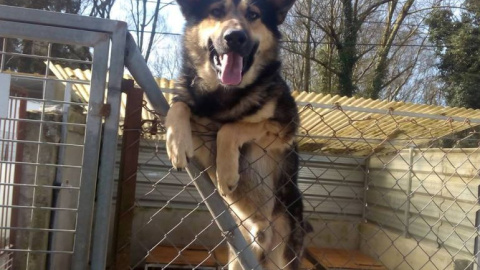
(47,198)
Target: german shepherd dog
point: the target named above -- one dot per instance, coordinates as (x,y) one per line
(236,115)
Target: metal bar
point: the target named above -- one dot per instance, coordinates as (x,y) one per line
(4,48)
(406,216)
(127,179)
(44,164)
(61,102)
(35,251)
(139,70)
(366,179)
(37,229)
(45,122)
(36,78)
(64,20)
(90,158)
(42,143)
(40,186)
(37,207)
(387,111)
(5,80)
(21,135)
(35,56)
(476,248)
(109,149)
(51,34)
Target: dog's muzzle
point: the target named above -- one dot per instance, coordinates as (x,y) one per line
(232,56)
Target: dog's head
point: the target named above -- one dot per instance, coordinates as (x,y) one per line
(229,42)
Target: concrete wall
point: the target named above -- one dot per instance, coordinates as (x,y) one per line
(400,253)
(68,198)
(39,197)
(37,240)
(426,194)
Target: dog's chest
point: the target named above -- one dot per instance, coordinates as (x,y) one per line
(233,105)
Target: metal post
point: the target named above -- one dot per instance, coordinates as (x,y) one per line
(127,179)
(216,205)
(106,169)
(15,215)
(406,216)
(365,188)
(90,158)
(476,248)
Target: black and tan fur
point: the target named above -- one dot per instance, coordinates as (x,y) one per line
(244,133)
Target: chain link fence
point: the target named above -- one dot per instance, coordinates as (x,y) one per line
(384,186)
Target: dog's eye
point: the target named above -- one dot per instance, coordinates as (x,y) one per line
(217,13)
(252,16)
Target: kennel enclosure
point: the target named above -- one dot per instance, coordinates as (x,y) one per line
(392,181)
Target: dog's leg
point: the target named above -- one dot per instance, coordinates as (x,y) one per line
(230,138)
(234,263)
(179,135)
(277,258)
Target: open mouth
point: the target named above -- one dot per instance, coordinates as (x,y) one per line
(231,66)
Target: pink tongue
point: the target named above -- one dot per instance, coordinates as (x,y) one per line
(231,71)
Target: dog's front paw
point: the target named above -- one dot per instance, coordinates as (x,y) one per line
(179,146)
(227,180)
(179,135)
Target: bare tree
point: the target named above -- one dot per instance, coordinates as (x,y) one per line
(100,8)
(148,23)
(166,62)
(376,49)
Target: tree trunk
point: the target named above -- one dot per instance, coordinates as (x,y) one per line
(347,50)
(308,49)
(390,32)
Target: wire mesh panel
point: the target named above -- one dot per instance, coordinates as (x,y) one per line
(50,130)
(42,145)
(384,186)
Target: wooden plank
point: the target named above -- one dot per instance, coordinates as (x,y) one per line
(176,256)
(331,258)
(221,256)
(307,265)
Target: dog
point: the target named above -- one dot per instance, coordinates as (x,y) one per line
(235,114)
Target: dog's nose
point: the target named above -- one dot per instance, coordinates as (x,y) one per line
(235,38)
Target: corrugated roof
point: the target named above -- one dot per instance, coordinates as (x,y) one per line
(343,125)
(360,126)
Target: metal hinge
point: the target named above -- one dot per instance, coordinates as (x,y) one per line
(105,110)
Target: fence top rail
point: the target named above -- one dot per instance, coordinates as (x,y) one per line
(73,21)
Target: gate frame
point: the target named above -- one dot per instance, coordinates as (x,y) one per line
(107,38)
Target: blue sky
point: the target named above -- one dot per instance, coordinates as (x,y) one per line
(166,45)
(172,14)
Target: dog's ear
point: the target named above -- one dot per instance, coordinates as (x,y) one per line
(282,7)
(187,6)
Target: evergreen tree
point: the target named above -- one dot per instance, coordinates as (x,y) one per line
(457,42)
